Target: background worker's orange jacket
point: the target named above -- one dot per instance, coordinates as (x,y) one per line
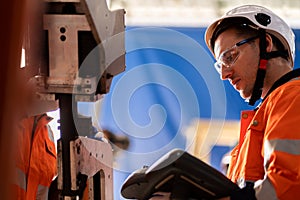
(35,158)
(269,145)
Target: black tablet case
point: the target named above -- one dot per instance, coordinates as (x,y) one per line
(180,173)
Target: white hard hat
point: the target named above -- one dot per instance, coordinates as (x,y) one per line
(275,26)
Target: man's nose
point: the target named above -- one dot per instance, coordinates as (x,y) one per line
(226,72)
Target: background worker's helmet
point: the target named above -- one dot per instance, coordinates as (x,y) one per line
(262,18)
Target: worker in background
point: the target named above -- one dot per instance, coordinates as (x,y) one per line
(255,51)
(35,158)
(35,151)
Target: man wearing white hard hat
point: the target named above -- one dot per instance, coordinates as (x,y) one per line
(255,51)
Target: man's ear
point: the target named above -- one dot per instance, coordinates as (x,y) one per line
(269,43)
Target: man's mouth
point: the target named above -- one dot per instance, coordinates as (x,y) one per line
(235,83)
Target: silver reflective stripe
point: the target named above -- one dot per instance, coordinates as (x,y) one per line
(20,179)
(265,191)
(282,145)
(42,193)
(50,133)
(287,146)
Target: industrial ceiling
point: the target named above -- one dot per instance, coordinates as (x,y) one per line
(191,13)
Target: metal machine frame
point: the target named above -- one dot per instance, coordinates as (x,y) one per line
(74,51)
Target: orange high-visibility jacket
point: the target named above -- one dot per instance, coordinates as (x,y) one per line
(269,145)
(35,158)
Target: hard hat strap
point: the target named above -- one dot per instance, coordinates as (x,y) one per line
(261,71)
(262,66)
(273,54)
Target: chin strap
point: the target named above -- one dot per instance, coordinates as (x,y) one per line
(261,71)
(262,66)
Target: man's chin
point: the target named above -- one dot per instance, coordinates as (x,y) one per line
(245,96)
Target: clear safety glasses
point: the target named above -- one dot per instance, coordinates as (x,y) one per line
(229,56)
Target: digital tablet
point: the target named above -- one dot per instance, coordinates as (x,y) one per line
(181,174)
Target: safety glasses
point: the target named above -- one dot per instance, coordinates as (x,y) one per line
(229,56)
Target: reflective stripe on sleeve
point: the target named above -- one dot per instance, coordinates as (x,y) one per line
(284,145)
(42,192)
(20,179)
(50,133)
(281,145)
(265,191)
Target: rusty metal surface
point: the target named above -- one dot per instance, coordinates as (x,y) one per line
(97,154)
(69,71)
(63,46)
(91,157)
